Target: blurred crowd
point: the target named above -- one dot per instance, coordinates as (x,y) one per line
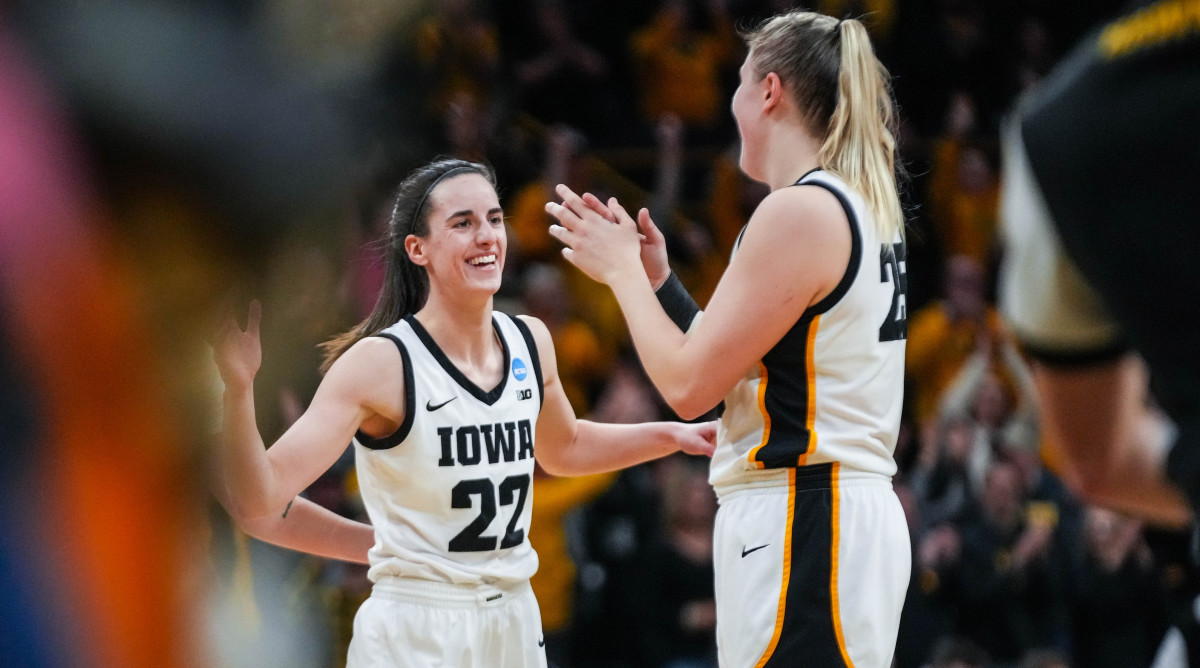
(626,98)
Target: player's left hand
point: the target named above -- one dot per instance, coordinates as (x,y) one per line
(603,248)
(698,438)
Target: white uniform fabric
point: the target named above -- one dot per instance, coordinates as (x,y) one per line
(832,390)
(449,493)
(811,546)
(413,624)
(811,574)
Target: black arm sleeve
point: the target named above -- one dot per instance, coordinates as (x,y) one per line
(676,301)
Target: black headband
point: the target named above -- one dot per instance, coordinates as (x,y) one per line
(445,175)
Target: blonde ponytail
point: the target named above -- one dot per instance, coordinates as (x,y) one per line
(844,94)
(860,146)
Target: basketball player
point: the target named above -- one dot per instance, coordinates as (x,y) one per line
(803,340)
(447,403)
(1100,280)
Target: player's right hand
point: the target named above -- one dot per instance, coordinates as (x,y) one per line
(238,352)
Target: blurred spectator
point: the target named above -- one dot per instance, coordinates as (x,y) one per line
(679,65)
(617,528)
(963,185)
(567,162)
(1047,658)
(561,78)
(928,612)
(879,16)
(976,401)
(732,198)
(1113,578)
(959,653)
(677,609)
(942,479)
(944,334)
(555,500)
(459,51)
(689,244)
(1010,587)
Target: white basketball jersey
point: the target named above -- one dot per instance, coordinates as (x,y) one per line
(831,390)
(450,492)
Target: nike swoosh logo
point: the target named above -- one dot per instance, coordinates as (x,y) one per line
(429,405)
(753,549)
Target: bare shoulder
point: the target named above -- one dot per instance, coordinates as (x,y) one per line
(371,351)
(370,372)
(545,342)
(812,210)
(801,239)
(541,334)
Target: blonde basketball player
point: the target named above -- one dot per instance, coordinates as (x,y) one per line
(803,341)
(448,403)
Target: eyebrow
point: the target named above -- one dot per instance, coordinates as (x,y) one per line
(467,212)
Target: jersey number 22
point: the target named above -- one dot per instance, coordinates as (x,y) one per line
(471,538)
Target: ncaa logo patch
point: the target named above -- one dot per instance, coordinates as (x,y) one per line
(519,369)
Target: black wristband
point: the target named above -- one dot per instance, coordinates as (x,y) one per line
(676,301)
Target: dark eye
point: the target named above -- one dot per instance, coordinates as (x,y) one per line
(462,223)
(497,220)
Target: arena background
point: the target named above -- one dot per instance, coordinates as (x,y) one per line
(158,159)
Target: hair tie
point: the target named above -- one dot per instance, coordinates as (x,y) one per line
(412,224)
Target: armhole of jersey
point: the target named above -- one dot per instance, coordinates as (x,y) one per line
(533,354)
(410,405)
(852,266)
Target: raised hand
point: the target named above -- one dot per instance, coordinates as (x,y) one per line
(654,245)
(238,353)
(604,248)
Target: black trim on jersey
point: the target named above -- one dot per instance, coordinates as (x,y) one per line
(786,399)
(534,357)
(808,636)
(855,262)
(410,405)
(738,241)
(1074,359)
(489,397)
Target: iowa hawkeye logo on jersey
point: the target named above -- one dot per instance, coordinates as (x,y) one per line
(505,442)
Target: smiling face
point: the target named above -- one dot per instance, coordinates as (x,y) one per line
(464,249)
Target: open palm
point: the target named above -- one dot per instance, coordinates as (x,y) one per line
(238,352)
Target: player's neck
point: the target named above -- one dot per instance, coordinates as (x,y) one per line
(795,157)
(466,336)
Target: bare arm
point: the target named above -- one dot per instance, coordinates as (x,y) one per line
(314,529)
(1114,445)
(567,446)
(307,527)
(795,250)
(259,482)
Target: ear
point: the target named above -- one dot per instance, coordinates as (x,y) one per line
(415,247)
(772,91)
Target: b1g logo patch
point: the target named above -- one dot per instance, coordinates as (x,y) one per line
(519,370)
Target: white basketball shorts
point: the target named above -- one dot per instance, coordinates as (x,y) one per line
(812,573)
(415,624)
